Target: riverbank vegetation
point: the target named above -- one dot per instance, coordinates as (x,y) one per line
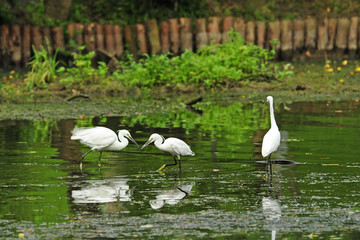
(234,65)
(222,66)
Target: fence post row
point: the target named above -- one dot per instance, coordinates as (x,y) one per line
(337,37)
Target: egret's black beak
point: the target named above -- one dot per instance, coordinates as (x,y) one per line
(133,140)
(147,143)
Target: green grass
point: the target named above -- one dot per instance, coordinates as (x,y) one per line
(321,77)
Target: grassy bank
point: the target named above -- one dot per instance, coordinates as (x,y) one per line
(234,66)
(308,79)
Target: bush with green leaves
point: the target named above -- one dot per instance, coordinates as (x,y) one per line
(215,65)
(82,72)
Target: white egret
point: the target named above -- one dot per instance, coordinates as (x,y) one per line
(271,140)
(174,146)
(102,139)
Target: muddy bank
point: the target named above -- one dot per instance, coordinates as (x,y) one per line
(56,106)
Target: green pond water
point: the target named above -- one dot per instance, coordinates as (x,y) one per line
(222,192)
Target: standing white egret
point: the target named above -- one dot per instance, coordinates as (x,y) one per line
(102,139)
(174,146)
(271,140)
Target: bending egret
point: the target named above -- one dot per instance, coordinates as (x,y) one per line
(271,140)
(174,146)
(102,139)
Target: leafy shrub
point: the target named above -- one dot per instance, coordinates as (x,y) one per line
(221,65)
(82,73)
(216,65)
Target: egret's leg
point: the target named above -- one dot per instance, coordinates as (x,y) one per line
(83,156)
(166,165)
(270,164)
(99,161)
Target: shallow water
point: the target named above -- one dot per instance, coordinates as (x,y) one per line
(222,192)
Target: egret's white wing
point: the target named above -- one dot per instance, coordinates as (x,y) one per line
(271,142)
(179,147)
(97,137)
(175,149)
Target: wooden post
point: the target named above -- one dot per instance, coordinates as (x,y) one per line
(239,26)
(322,34)
(250,32)
(70,28)
(109,40)
(201,34)
(174,35)
(58,34)
(214,30)
(186,34)
(26,44)
(286,39)
(274,34)
(358,38)
(299,34)
(15,45)
(99,37)
(342,36)
(130,39)
(331,33)
(140,30)
(153,36)
(5,45)
(47,39)
(228,24)
(260,33)
(89,37)
(165,37)
(78,32)
(353,36)
(71,31)
(310,33)
(36,38)
(119,47)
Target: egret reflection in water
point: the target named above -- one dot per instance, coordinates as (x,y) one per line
(171,196)
(272,213)
(271,207)
(103,191)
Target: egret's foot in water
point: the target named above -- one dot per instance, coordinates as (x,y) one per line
(161,172)
(99,164)
(160,169)
(81,166)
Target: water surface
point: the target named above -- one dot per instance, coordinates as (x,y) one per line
(222,192)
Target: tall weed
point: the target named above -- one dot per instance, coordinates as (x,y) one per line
(42,68)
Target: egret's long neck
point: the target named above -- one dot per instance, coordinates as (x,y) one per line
(159,144)
(272,116)
(123,142)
